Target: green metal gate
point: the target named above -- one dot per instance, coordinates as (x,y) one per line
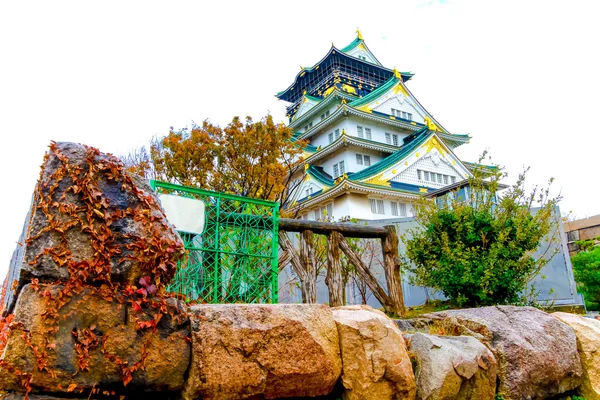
(234,259)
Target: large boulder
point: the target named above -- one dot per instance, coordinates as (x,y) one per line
(92,339)
(537,354)
(262,351)
(92,221)
(375,363)
(458,368)
(587,331)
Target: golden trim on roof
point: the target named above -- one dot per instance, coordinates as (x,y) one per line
(365,108)
(433,143)
(378,180)
(348,88)
(399,88)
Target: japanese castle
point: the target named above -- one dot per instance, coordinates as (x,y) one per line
(372,147)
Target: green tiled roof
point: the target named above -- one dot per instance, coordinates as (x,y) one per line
(471,166)
(320,176)
(420,137)
(375,93)
(351,46)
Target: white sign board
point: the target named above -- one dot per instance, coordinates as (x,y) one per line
(186,214)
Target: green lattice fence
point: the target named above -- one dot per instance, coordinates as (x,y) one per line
(234,259)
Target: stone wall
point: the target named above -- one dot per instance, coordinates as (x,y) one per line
(89,318)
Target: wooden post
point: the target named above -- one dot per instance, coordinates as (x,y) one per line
(391,266)
(307,258)
(334,280)
(367,276)
(283,260)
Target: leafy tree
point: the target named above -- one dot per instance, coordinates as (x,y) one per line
(247,158)
(586,268)
(475,246)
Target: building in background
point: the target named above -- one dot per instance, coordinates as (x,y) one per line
(373,148)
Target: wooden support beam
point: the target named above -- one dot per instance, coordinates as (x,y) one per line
(366,275)
(325,228)
(307,258)
(283,260)
(391,267)
(286,245)
(334,280)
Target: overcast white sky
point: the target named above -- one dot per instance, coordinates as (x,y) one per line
(522,77)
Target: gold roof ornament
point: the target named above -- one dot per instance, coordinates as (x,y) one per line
(358,34)
(431,125)
(343,132)
(306,166)
(397,74)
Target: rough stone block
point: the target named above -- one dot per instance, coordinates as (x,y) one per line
(587,331)
(242,351)
(458,368)
(89,217)
(536,353)
(92,342)
(375,363)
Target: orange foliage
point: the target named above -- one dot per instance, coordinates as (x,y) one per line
(247,158)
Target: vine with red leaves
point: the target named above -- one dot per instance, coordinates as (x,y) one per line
(154,255)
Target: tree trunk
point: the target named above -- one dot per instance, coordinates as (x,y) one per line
(391,266)
(364,274)
(307,259)
(334,280)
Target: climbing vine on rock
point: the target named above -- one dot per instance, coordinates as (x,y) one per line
(129,254)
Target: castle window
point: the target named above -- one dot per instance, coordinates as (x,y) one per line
(359,159)
(426,174)
(368,133)
(394,208)
(402,209)
(388,138)
(338,169)
(446,179)
(377,206)
(359,131)
(380,209)
(322,117)
(453,179)
(367,160)
(419,174)
(327,113)
(330,137)
(337,133)
(395,137)
(317,215)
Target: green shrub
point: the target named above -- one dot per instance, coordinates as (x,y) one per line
(586,268)
(477,248)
